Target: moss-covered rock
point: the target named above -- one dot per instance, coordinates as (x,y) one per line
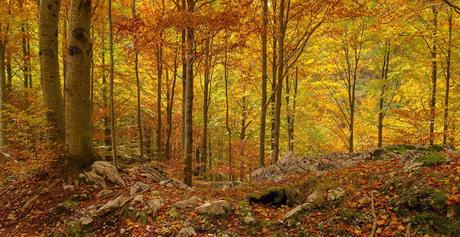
(432,158)
(432,222)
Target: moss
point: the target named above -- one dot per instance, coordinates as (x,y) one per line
(75,229)
(432,222)
(351,217)
(136,215)
(400,149)
(439,199)
(432,158)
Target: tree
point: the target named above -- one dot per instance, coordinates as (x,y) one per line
(263,109)
(138,85)
(49,66)
(78,140)
(448,76)
(189,58)
(111,83)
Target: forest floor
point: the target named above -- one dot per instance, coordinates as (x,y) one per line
(378,197)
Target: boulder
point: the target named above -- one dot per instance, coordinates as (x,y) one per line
(215,208)
(112,205)
(314,197)
(138,187)
(186,232)
(92,177)
(108,171)
(191,202)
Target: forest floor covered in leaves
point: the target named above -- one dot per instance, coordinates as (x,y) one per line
(415,195)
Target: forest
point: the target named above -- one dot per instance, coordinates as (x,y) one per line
(229,118)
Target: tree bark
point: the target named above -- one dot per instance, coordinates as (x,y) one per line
(190,57)
(227,111)
(138,86)
(49,66)
(448,76)
(111,82)
(206,96)
(434,74)
(159,58)
(384,78)
(78,140)
(279,85)
(263,109)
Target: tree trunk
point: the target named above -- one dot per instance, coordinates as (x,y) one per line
(78,140)
(49,66)
(190,57)
(138,86)
(434,75)
(159,58)
(169,109)
(227,111)
(448,76)
(384,78)
(111,82)
(9,73)
(279,85)
(263,109)
(206,96)
(273,83)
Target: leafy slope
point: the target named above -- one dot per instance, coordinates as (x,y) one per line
(416,201)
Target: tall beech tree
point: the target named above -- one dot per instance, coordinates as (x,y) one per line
(78,137)
(49,66)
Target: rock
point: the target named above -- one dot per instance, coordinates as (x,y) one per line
(108,171)
(68,187)
(138,187)
(86,220)
(171,182)
(335,194)
(186,232)
(193,201)
(138,199)
(92,177)
(410,166)
(122,231)
(296,211)
(314,197)
(154,204)
(80,197)
(215,208)
(104,192)
(112,205)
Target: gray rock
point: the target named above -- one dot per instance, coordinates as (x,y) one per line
(154,204)
(191,202)
(104,192)
(86,220)
(93,177)
(249,220)
(215,208)
(112,205)
(296,211)
(335,194)
(138,187)
(68,187)
(138,199)
(108,171)
(186,232)
(314,197)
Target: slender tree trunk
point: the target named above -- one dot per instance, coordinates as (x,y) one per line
(263,109)
(227,111)
(138,85)
(279,84)
(190,57)
(159,57)
(9,73)
(2,86)
(25,56)
(384,78)
(244,125)
(184,75)
(434,74)
(169,109)
(294,104)
(49,66)
(448,76)
(207,82)
(29,67)
(78,141)
(111,81)
(273,83)
(105,97)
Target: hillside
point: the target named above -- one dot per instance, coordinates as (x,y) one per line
(396,191)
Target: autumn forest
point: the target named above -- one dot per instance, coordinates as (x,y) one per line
(293,107)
